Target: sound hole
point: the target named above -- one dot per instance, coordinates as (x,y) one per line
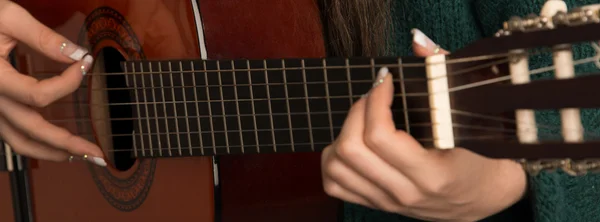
(119,146)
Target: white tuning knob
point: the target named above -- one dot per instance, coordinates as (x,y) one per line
(551,7)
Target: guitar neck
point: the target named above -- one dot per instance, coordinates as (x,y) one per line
(211,107)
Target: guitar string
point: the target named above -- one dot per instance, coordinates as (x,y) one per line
(550,68)
(493,119)
(530,52)
(452,89)
(465,70)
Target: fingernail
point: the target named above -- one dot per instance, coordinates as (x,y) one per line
(86,64)
(72,51)
(383,72)
(421,39)
(95,160)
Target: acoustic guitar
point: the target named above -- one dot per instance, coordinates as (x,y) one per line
(217,110)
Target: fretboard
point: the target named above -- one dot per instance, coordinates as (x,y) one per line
(209,107)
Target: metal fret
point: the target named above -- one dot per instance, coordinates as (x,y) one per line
(237,106)
(253,108)
(328,100)
(373,71)
(210,120)
(135,151)
(164,100)
(270,109)
(287,102)
(187,120)
(349,81)
(403,91)
(223,107)
(137,105)
(147,113)
(160,147)
(310,132)
(175,109)
(197,108)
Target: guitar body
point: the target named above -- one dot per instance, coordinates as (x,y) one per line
(259,187)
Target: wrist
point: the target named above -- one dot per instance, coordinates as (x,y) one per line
(506,185)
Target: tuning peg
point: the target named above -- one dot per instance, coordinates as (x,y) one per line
(551,7)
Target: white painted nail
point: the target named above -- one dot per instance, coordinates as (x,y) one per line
(73,51)
(98,161)
(86,64)
(421,39)
(383,72)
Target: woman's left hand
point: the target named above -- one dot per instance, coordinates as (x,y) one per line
(373,164)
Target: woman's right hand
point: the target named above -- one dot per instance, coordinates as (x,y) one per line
(23,128)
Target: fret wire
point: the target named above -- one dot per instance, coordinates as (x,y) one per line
(328,100)
(155,111)
(135,151)
(349,82)
(223,107)
(175,108)
(197,107)
(404,102)
(164,101)
(185,108)
(237,106)
(210,120)
(287,101)
(147,109)
(310,133)
(373,71)
(270,109)
(253,108)
(137,98)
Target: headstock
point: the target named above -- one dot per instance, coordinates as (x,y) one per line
(498,84)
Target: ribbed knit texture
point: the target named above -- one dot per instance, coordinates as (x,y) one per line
(554,196)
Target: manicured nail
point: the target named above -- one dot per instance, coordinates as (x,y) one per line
(95,160)
(421,39)
(72,51)
(98,161)
(383,72)
(86,64)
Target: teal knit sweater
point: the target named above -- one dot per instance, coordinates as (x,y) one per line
(553,196)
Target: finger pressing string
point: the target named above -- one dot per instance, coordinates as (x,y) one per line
(381,134)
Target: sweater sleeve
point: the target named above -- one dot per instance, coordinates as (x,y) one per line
(555,196)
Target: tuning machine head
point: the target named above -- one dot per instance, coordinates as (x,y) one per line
(578,16)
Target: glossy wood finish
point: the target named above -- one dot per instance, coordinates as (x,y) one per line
(6,205)
(270,187)
(281,187)
(181,188)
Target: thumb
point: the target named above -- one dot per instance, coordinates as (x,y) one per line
(19,24)
(423,46)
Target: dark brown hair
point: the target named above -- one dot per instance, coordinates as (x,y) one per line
(357,27)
